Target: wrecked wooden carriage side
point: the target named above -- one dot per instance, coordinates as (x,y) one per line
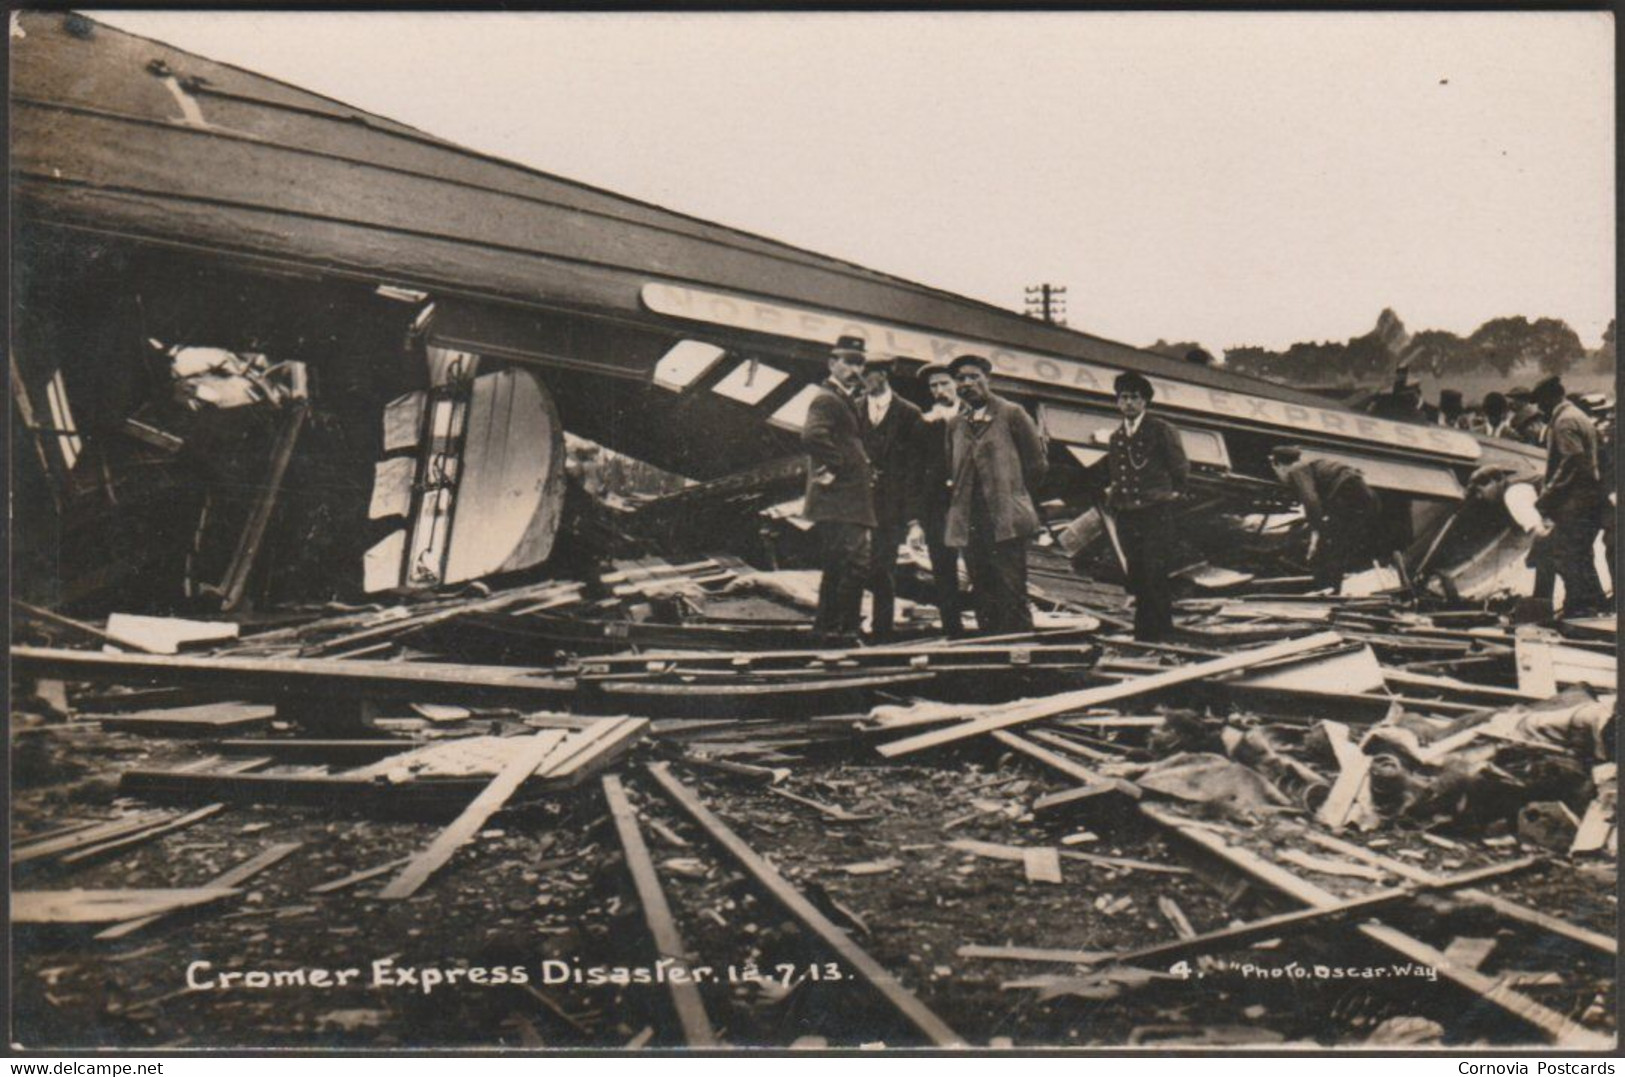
(412,292)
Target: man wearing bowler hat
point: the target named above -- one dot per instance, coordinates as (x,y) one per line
(840,495)
(892,434)
(996,459)
(1148,473)
(934,494)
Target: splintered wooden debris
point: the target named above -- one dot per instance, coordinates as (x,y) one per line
(107,906)
(225,880)
(685,996)
(520,766)
(928,1023)
(1032,710)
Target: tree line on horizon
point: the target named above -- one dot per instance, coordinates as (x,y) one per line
(1499,346)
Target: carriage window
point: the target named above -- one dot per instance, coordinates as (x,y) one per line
(750,382)
(793,415)
(683,365)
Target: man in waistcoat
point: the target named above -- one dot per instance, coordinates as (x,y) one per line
(1149,470)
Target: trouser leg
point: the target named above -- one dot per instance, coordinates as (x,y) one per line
(1146,545)
(844,555)
(883,579)
(1574,558)
(1008,598)
(945,580)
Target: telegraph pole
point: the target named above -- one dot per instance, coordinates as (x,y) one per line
(1047,301)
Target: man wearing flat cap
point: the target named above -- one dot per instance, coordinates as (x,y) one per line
(840,495)
(996,459)
(934,494)
(1148,470)
(893,432)
(1572,498)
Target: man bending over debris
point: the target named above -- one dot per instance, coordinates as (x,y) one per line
(840,495)
(1148,473)
(996,458)
(1343,512)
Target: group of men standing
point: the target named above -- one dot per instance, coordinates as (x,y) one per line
(958,479)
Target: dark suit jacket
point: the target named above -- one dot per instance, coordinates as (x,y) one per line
(935,493)
(894,449)
(1006,460)
(839,479)
(1147,469)
(1573,487)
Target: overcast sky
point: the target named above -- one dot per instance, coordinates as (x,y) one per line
(1226,178)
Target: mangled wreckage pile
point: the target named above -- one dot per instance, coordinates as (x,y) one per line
(347,710)
(1317,834)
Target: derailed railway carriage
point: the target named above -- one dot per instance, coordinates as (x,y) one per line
(265,344)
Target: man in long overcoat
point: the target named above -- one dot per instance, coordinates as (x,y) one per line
(840,495)
(996,460)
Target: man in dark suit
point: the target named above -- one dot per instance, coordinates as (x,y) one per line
(840,495)
(996,458)
(892,434)
(1148,473)
(934,495)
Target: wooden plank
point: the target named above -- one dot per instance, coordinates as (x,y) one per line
(335,752)
(43,616)
(1318,915)
(439,614)
(1033,953)
(359,877)
(85,836)
(190,721)
(1605,944)
(583,749)
(523,764)
(1537,675)
(226,879)
(1556,1027)
(1098,790)
(167,635)
(439,797)
(325,678)
(247,553)
(685,996)
(1032,710)
(917,1014)
(118,845)
(1072,747)
(1353,785)
(762,688)
(103,906)
(1176,916)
